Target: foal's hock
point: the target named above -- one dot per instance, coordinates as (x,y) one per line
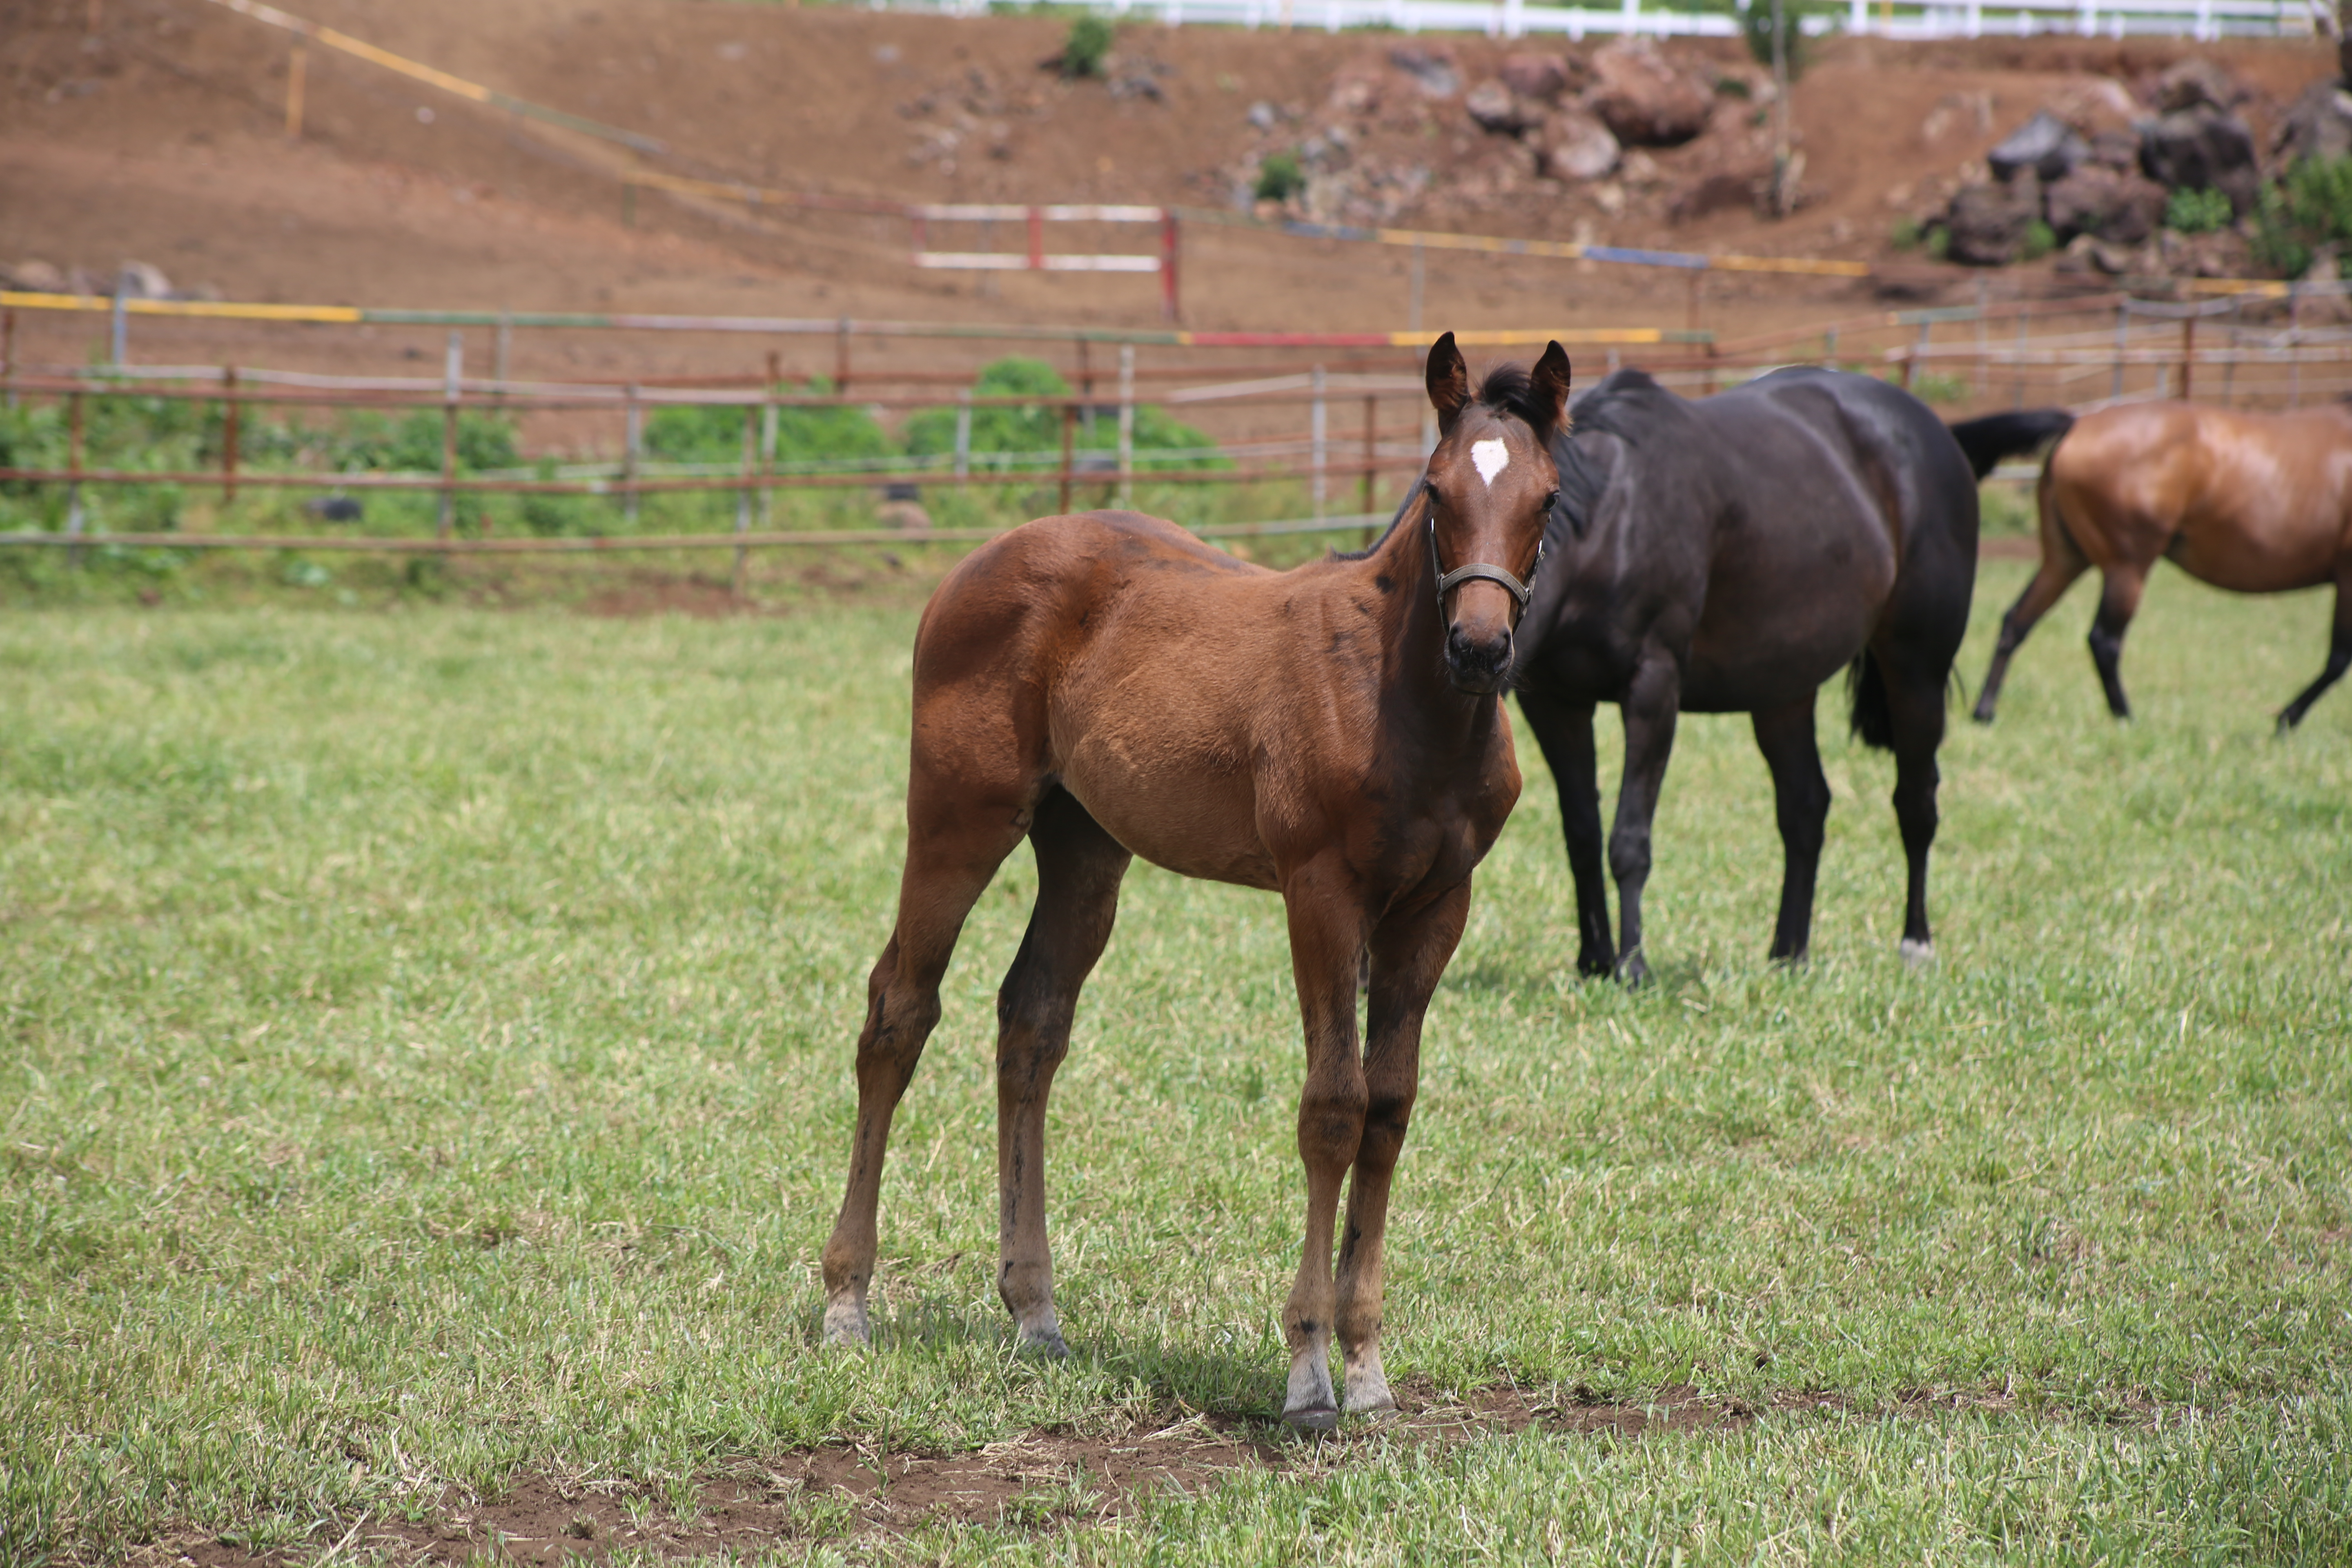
(1108,686)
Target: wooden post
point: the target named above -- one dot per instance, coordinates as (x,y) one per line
(297,69)
(2017,382)
(2123,335)
(502,358)
(1171,305)
(743,502)
(8,354)
(1069,441)
(1085,389)
(633,440)
(231,409)
(1371,448)
(841,358)
(452,368)
(768,434)
(1697,281)
(1126,425)
(73,468)
(1320,423)
(2187,350)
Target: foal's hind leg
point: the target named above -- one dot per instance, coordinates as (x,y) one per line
(1078,871)
(1801,798)
(1408,952)
(2118,602)
(956,839)
(2339,653)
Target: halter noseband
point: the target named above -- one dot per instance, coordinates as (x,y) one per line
(1448,580)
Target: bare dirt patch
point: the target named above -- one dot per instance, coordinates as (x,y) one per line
(1041,1480)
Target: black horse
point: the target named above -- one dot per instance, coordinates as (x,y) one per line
(1728,556)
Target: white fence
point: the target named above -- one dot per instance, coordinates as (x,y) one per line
(2201,20)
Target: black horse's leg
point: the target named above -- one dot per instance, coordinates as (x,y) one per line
(1801,797)
(1915,702)
(2339,655)
(1564,730)
(1651,705)
(2118,601)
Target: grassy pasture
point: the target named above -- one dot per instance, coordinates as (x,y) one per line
(428,1060)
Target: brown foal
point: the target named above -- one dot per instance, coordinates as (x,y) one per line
(1108,686)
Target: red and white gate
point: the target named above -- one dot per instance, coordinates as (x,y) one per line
(1034,257)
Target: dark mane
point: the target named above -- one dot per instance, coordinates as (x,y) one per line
(1616,407)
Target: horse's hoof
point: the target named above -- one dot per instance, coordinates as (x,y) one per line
(846,1328)
(1313,1418)
(1046,1344)
(1982,715)
(1916,954)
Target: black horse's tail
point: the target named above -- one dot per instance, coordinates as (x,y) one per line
(1996,436)
(1871,716)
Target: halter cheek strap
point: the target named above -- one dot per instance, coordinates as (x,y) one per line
(1448,580)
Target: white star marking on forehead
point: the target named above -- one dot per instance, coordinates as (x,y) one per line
(1492,457)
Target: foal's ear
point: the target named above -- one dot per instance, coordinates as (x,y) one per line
(1449,381)
(1548,392)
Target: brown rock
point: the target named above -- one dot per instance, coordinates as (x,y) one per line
(1574,145)
(1987,223)
(1643,99)
(35,276)
(1498,108)
(2319,125)
(2107,204)
(1540,77)
(2196,82)
(2200,149)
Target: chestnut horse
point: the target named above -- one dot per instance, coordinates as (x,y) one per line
(1107,686)
(2261,503)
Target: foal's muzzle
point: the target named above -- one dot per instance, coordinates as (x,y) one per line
(1478,665)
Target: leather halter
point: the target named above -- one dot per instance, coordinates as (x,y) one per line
(1448,580)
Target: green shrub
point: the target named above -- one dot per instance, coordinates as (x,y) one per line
(2041,239)
(1905,235)
(2310,207)
(1279,177)
(713,432)
(2197,212)
(367,441)
(1084,47)
(1006,438)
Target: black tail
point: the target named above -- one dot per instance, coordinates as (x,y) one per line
(1872,719)
(1996,436)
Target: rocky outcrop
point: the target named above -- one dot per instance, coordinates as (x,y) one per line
(2319,125)
(1541,77)
(1575,145)
(2045,144)
(2203,148)
(1497,108)
(1642,99)
(2111,205)
(1987,224)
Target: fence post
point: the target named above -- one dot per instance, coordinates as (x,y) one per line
(502,358)
(963,434)
(768,432)
(2123,335)
(1085,389)
(1371,446)
(841,358)
(2229,355)
(452,365)
(1069,441)
(2188,349)
(632,443)
(2017,382)
(231,418)
(1169,304)
(1322,427)
(73,471)
(743,502)
(8,355)
(1126,425)
(297,67)
(122,323)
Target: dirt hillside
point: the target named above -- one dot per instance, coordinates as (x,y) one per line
(159,138)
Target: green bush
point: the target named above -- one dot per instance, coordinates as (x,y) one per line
(1006,438)
(2197,212)
(2310,207)
(2041,239)
(713,432)
(1756,27)
(370,442)
(1279,177)
(1086,48)
(1905,235)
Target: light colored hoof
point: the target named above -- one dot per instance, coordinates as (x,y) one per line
(845,1327)
(1045,1344)
(1368,1392)
(1313,1418)
(1916,954)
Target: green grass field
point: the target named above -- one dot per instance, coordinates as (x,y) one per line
(427,1069)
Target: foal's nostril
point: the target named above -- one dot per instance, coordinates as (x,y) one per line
(1477,655)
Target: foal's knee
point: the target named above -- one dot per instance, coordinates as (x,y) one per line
(1332,1123)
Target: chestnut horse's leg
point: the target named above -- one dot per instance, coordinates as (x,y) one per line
(2118,602)
(1564,730)
(957,838)
(1653,702)
(1326,933)
(1078,871)
(2339,653)
(1800,799)
(1409,953)
(2057,573)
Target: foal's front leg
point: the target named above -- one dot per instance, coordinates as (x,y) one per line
(1409,953)
(1326,933)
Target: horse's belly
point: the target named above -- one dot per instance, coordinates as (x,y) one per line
(1195,822)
